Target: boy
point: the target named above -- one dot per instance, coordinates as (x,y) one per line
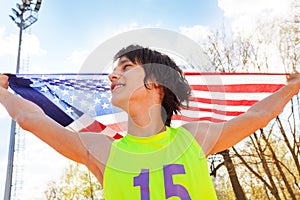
(154,160)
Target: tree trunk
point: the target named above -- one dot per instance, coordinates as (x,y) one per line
(289,146)
(265,166)
(284,179)
(236,186)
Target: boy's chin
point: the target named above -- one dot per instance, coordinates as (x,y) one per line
(116,103)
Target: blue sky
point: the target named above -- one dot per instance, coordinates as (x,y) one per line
(67,31)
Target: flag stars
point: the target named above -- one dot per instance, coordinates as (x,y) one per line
(56,81)
(61,77)
(91,108)
(69,87)
(69,111)
(97,101)
(65,92)
(34,81)
(74,98)
(80,92)
(56,99)
(105,106)
(99,83)
(55,87)
(89,95)
(83,103)
(44,89)
(90,82)
(103,95)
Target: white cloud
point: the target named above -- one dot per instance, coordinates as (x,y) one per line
(197,33)
(132,26)
(3,165)
(245,14)
(9,49)
(31,46)
(77,57)
(3,113)
(254,8)
(9,44)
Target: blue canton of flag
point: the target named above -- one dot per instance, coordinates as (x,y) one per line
(68,98)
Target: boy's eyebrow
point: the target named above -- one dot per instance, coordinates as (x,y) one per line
(120,62)
(123,61)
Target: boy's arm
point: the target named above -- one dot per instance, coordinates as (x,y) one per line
(216,137)
(30,117)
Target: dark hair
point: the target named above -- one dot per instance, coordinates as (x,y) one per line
(164,71)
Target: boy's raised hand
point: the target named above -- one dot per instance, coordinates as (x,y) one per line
(293,80)
(4,81)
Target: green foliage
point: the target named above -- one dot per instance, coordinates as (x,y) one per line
(77,183)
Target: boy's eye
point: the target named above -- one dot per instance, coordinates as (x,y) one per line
(126,67)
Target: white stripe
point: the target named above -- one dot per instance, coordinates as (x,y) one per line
(197,114)
(82,122)
(113,118)
(109,132)
(177,123)
(229,96)
(219,107)
(235,79)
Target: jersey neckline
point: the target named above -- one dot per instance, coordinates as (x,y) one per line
(158,136)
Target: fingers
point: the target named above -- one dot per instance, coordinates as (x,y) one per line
(293,79)
(294,73)
(4,81)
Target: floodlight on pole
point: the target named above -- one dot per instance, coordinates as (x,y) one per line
(38,5)
(25,17)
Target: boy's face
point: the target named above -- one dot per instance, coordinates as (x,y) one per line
(127,84)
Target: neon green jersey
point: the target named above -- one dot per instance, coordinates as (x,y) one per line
(170,165)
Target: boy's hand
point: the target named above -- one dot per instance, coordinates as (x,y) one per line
(4,81)
(293,80)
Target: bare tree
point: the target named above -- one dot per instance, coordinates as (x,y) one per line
(76,183)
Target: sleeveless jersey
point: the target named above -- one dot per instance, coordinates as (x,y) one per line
(169,165)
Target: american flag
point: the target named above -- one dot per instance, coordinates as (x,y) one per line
(81,102)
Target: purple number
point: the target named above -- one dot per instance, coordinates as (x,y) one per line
(172,189)
(142,180)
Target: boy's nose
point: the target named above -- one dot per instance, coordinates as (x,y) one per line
(114,76)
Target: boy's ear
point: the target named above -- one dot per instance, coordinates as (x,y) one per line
(157,88)
(156,85)
(153,85)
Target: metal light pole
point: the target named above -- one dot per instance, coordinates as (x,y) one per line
(25,16)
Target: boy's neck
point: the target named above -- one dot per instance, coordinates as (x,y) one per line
(146,123)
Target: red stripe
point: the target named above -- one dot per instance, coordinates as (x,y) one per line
(118,127)
(241,88)
(94,127)
(224,102)
(97,127)
(117,136)
(230,73)
(220,112)
(194,119)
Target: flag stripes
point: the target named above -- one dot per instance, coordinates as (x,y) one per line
(81,102)
(218,97)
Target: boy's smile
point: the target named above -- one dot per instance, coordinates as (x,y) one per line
(127,83)
(115,86)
